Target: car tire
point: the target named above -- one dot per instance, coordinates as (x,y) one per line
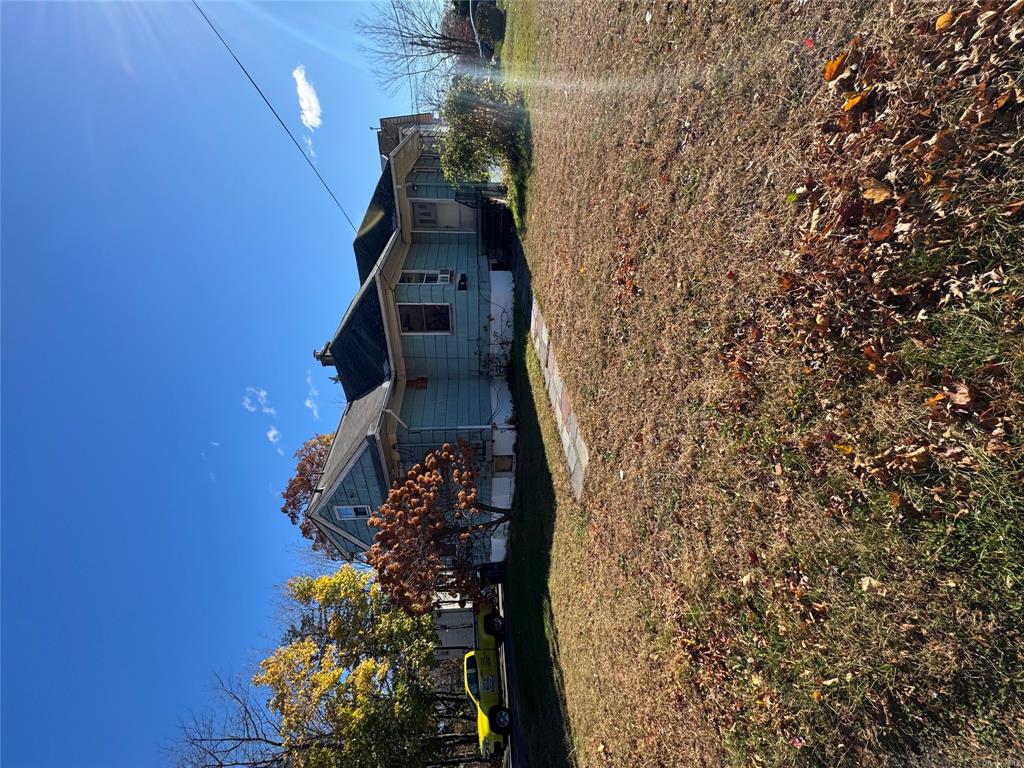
(494,623)
(500,719)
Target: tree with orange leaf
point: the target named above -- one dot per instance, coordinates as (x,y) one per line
(430,529)
(311,458)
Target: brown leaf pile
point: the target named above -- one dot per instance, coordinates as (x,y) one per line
(908,167)
(916,169)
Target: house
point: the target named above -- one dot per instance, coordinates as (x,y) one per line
(422,351)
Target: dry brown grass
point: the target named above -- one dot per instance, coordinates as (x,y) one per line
(709,595)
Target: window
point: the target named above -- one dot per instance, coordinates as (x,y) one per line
(428,276)
(424,215)
(348,513)
(471,677)
(502,464)
(425,318)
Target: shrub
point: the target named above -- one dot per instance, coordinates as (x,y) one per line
(484,124)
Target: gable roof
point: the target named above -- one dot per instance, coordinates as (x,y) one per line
(357,432)
(379,222)
(358,424)
(359,349)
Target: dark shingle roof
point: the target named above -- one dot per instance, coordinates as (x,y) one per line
(378,225)
(358,423)
(360,348)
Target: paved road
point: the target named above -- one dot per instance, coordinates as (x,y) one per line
(514,758)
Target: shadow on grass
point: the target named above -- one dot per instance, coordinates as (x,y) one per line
(520,166)
(539,677)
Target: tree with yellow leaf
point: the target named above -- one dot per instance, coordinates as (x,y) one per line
(349,686)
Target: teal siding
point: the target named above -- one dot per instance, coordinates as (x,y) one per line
(448,402)
(457,392)
(344,546)
(362,485)
(429,184)
(457,354)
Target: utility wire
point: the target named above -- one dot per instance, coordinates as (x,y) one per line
(271,106)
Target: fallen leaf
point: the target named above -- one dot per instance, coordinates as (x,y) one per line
(992,368)
(868,584)
(886,229)
(834,67)
(959,393)
(856,99)
(944,21)
(872,354)
(844,449)
(1007,98)
(874,190)
(997,445)
(895,500)
(816,696)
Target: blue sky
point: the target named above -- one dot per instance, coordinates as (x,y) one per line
(167,259)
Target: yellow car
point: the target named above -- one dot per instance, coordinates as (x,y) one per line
(482,677)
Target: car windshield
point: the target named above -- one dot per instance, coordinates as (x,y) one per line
(471,681)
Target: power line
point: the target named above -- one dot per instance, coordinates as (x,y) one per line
(271,107)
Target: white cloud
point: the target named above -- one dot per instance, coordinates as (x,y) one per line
(257,400)
(311,402)
(309,104)
(309,147)
(274,436)
(215,444)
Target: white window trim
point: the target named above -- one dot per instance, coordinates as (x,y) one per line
(353,507)
(444,276)
(451,318)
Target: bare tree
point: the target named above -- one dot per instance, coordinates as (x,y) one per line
(421,41)
(243,733)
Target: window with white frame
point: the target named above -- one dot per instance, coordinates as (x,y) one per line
(351,512)
(425,318)
(427,276)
